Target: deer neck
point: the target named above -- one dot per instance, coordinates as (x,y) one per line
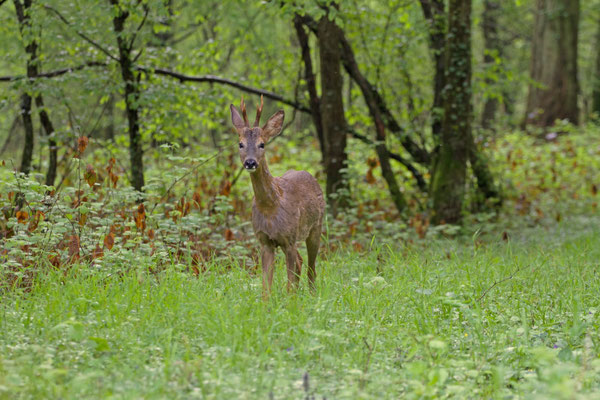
(266,191)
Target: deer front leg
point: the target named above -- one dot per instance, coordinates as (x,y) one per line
(291,260)
(267,259)
(312,246)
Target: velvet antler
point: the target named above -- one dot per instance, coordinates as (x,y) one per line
(243,108)
(258,112)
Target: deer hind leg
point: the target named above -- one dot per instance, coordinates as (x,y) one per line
(292,261)
(267,260)
(312,246)
(298,264)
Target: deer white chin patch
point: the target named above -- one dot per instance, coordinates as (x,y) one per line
(251,170)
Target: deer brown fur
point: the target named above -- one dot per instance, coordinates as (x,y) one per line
(286,209)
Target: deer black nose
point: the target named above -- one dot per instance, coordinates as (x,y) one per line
(250,164)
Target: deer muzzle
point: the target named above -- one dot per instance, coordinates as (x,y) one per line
(250,165)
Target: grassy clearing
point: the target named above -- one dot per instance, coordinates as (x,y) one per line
(405,322)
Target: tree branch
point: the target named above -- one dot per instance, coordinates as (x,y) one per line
(55,73)
(415,173)
(372,97)
(80,34)
(134,36)
(227,82)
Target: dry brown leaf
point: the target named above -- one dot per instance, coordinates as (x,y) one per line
(109,241)
(82,143)
(74,247)
(90,175)
(22,217)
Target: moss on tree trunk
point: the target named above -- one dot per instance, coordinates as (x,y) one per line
(449,176)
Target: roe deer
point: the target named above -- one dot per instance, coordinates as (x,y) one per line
(286,209)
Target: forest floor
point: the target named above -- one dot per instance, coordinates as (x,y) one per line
(439,318)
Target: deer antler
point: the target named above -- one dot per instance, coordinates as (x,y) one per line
(258,112)
(243,108)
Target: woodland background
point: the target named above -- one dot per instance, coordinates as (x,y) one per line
(458,143)
(409,112)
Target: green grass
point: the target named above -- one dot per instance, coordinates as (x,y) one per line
(423,321)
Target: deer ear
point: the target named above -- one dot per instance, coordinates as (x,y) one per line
(274,125)
(236,119)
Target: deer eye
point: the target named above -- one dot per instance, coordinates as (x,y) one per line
(241,145)
(261,146)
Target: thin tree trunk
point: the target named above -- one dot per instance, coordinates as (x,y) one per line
(419,154)
(596,93)
(554,64)
(52,148)
(311,85)
(449,176)
(492,47)
(434,13)
(24,19)
(375,104)
(131,79)
(332,115)
(27,155)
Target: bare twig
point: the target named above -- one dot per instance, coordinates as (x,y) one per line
(416,174)
(370,349)
(135,33)
(219,151)
(11,132)
(496,283)
(80,34)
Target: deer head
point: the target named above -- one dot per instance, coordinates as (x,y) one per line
(253,139)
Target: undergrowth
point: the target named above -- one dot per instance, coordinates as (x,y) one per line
(197,209)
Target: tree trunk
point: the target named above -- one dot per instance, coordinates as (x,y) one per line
(131,79)
(554,64)
(311,83)
(24,19)
(52,147)
(28,127)
(596,94)
(449,176)
(332,114)
(418,153)
(485,180)
(492,48)
(378,110)
(434,13)
(350,64)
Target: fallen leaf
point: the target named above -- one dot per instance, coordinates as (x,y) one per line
(109,241)
(98,252)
